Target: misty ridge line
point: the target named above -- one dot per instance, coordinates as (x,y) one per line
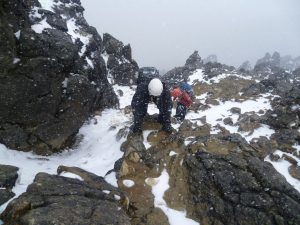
(164,33)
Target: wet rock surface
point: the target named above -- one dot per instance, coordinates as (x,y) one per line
(52,199)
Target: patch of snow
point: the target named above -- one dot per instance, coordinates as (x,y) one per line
(152,109)
(297,147)
(176,126)
(295,107)
(106,192)
(16,60)
(105,57)
(41,26)
(17,34)
(263,131)
(71,175)
(126,96)
(47,4)
(202,97)
(75,31)
(96,153)
(111,178)
(197,75)
(175,217)
(89,62)
(282,167)
(200,76)
(34,13)
(172,153)
(65,82)
(188,140)
(128,183)
(117,197)
(145,135)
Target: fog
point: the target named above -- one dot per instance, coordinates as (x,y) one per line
(163,33)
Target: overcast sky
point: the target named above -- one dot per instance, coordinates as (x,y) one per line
(163,33)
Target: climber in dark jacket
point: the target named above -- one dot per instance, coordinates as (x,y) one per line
(156,91)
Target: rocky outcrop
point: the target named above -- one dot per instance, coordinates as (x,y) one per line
(273,64)
(8,177)
(179,74)
(194,61)
(278,83)
(122,69)
(52,199)
(52,74)
(289,63)
(245,67)
(232,189)
(215,69)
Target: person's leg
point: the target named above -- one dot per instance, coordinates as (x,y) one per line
(164,118)
(139,115)
(180,112)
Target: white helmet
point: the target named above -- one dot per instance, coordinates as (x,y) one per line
(155,87)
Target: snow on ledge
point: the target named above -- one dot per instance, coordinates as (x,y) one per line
(47,4)
(71,175)
(41,26)
(175,217)
(282,167)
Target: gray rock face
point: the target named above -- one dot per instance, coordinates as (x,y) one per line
(214,69)
(51,79)
(194,61)
(270,64)
(245,67)
(239,188)
(122,68)
(53,199)
(8,177)
(179,74)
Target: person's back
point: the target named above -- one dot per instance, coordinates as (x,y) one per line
(184,99)
(158,92)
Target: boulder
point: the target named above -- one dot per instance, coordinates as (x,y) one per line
(52,199)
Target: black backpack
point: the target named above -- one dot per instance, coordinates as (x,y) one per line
(146,74)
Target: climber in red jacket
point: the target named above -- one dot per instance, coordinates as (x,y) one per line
(184,101)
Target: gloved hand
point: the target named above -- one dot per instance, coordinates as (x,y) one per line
(168,128)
